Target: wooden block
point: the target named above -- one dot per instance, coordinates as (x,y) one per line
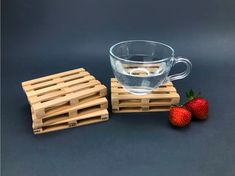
(94,117)
(160,99)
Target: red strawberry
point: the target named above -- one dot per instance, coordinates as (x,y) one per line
(197,105)
(179,116)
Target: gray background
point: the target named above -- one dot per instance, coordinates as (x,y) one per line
(49,36)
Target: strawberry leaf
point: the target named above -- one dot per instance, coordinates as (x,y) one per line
(190,95)
(187,94)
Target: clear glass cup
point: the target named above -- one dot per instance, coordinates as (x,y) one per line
(141,66)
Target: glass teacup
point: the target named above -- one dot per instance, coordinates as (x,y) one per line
(141,66)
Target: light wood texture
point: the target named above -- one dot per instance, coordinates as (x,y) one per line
(95,117)
(63,99)
(160,99)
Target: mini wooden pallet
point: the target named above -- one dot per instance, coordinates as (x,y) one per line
(160,99)
(69,112)
(58,98)
(86,119)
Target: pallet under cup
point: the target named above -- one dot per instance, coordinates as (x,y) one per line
(160,99)
(66,98)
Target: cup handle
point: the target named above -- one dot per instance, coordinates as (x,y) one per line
(184,73)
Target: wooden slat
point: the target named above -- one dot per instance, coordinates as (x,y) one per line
(140,65)
(157,109)
(147,96)
(126,104)
(158,90)
(151,70)
(45,78)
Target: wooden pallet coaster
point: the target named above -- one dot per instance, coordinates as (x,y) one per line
(159,99)
(64,96)
(59,91)
(69,112)
(86,119)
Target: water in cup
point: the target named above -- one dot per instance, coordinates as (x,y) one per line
(140,78)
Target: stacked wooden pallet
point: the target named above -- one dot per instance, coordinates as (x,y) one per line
(160,99)
(66,100)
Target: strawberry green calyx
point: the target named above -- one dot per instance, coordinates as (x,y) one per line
(190,95)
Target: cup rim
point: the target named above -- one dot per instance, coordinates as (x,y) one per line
(147,41)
